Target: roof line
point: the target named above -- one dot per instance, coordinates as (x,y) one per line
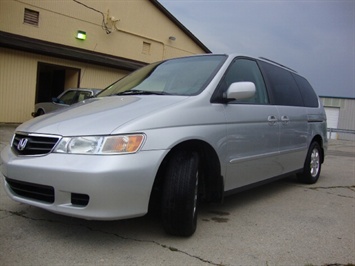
(337,97)
(23,43)
(180,25)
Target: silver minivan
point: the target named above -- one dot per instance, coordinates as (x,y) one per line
(170,135)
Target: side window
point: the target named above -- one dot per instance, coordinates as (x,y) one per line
(67,98)
(246,70)
(283,87)
(83,95)
(310,98)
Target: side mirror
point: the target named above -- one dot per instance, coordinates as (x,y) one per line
(55,100)
(240,90)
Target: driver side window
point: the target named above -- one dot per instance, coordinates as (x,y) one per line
(246,70)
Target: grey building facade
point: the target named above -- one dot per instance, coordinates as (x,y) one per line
(340,116)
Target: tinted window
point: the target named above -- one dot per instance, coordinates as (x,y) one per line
(310,98)
(283,87)
(245,70)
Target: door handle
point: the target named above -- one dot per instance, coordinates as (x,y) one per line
(272,120)
(285,119)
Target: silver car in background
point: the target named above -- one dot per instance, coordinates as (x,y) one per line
(170,135)
(64,100)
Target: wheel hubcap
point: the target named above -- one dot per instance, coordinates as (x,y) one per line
(315,162)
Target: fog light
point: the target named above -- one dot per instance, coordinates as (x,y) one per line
(79,199)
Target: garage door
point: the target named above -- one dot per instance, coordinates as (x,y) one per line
(332,120)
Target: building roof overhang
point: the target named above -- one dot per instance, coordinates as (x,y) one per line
(32,45)
(22,43)
(180,25)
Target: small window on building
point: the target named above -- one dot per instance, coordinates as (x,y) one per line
(146,48)
(31,17)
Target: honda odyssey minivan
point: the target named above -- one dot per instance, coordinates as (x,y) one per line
(171,134)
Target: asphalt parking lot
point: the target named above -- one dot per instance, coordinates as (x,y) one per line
(282,223)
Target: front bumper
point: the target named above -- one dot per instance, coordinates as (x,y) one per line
(117,186)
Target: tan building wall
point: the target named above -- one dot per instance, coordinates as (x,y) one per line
(139,32)
(18,91)
(139,22)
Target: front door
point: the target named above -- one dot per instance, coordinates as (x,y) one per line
(252,130)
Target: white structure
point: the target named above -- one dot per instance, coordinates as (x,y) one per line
(341,116)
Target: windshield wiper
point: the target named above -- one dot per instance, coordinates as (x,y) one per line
(141,92)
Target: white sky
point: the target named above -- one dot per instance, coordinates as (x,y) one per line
(314,37)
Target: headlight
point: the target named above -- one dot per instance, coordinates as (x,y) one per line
(119,144)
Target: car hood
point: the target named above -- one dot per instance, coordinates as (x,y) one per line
(99,115)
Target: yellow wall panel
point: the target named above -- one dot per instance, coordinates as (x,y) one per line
(140,33)
(18,91)
(138,20)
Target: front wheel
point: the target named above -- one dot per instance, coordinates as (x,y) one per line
(39,112)
(180,194)
(312,166)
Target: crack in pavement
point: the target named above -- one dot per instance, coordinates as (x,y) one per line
(352,188)
(173,249)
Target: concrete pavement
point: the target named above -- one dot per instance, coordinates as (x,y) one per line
(282,223)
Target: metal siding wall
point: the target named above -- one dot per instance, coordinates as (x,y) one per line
(99,77)
(18,74)
(347,119)
(332,120)
(18,78)
(139,21)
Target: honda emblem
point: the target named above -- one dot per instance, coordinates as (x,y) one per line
(22,144)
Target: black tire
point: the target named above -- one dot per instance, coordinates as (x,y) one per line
(180,194)
(312,165)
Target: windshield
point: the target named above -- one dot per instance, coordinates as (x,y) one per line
(181,76)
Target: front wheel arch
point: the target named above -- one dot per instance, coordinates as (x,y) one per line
(211,183)
(180,195)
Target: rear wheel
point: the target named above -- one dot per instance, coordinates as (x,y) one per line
(312,166)
(180,194)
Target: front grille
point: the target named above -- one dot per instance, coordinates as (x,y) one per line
(32,191)
(33,144)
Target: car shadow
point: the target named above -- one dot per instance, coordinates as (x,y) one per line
(141,229)
(233,203)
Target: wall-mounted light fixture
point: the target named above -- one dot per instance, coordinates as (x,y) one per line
(172,38)
(81,35)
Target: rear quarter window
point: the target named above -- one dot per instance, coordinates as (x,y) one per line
(310,98)
(281,85)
